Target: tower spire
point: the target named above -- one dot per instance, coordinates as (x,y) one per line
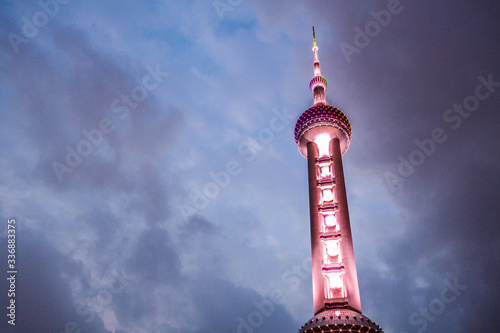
(318,83)
(314,37)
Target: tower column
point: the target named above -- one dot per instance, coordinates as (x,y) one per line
(346,246)
(316,247)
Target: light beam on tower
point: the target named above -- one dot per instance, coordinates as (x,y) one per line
(323,135)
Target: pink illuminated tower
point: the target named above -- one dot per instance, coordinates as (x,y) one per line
(323,134)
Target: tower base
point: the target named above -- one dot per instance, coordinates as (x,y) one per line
(340,320)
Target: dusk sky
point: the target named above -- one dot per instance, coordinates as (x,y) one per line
(147,157)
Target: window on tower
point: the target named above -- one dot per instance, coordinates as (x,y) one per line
(334,285)
(325,170)
(329,222)
(331,251)
(327,194)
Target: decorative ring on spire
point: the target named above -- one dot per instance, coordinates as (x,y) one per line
(317,79)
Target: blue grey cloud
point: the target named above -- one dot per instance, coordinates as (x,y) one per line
(115,116)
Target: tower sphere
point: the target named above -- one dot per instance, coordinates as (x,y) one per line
(340,320)
(320,119)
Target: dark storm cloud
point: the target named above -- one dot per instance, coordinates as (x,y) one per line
(454,234)
(44,299)
(197,224)
(223,307)
(115,213)
(154,256)
(202,301)
(68,87)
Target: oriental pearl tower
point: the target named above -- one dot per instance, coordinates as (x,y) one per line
(323,135)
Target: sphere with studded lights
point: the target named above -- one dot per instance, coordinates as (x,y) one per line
(340,320)
(322,118)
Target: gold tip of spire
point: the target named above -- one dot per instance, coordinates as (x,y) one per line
(314,37)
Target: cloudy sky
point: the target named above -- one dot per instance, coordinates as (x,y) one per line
(147,158)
